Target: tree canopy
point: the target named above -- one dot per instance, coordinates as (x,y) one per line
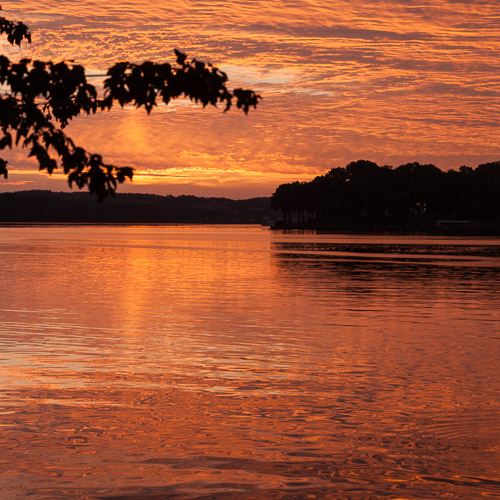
(41,97)
(366,194)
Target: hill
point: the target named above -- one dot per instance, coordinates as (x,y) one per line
(80,207)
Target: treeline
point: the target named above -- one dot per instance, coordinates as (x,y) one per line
(364,194)
(46,206)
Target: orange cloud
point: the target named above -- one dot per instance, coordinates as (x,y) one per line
(342,80)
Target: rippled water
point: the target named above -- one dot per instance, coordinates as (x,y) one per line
(237,362)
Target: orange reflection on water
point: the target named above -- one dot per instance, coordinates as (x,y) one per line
(198,360)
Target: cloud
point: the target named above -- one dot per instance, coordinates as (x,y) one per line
(341,80)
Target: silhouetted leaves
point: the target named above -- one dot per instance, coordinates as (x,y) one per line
(142,84)
(246,99)
(3,168)
(45,96)
(16,32)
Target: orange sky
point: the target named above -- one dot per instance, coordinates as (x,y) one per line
(389,81)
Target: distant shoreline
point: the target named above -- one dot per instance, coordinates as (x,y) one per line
(47,207)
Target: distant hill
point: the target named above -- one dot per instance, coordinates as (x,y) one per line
(80,207)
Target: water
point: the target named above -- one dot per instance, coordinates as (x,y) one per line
(237,362)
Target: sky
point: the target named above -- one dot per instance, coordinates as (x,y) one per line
(341,80)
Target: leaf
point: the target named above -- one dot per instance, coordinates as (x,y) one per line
(3,168)
(6,140)
(181,58)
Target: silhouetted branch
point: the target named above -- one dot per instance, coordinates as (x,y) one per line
(45,96)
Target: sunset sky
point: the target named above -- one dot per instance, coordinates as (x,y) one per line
(342,80)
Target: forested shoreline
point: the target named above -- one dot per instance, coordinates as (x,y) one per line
(361,196)
(364,195)
(80,207)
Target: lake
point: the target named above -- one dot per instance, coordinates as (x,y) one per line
(238,362)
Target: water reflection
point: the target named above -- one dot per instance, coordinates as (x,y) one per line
(393,269)
(235,362)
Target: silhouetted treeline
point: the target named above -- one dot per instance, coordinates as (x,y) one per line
(411,196)
(47,206)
